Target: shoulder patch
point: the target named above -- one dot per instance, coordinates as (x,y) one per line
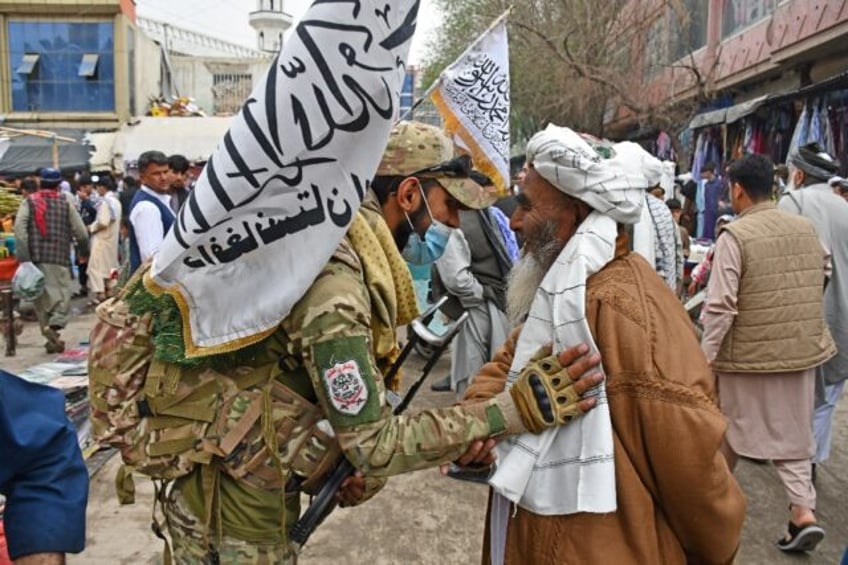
(346,388)
(343,366)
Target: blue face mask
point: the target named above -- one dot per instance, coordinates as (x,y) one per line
(426,251)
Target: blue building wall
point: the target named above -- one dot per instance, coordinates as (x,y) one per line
(56,83)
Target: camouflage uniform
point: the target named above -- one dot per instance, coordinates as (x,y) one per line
(332,337)
(191,546)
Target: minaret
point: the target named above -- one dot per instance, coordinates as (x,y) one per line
(270,23)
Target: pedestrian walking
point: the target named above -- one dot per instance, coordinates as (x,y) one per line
(45,228)
(105,232)
(764,336)
(810,196)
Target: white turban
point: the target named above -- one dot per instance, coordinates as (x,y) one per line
(611,178)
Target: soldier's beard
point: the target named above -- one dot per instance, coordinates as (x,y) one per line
(527,274)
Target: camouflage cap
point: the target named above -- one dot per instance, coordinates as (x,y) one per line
(414,147)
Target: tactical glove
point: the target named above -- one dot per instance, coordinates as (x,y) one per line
(544,393)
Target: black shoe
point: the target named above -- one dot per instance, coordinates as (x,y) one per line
(801,538)
(443,385)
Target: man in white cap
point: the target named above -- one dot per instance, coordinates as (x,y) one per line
(640,479)
(839,186)
(810,196)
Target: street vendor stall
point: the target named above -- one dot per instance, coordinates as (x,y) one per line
(27,150)
(9,326)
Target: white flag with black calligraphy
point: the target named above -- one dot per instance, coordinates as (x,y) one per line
(284,184)
(473,98)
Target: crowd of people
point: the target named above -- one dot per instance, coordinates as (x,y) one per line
(607,427)
(91,231)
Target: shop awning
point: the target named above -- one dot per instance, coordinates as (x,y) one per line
(728,115)
(711,118)
(739,111)
(26,154)
(835,82)
(196,138)
(736,112)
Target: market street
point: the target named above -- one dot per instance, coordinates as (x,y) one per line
(425,518)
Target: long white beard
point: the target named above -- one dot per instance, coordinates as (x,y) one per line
(524,280)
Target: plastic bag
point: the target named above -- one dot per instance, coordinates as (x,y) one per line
(28,282)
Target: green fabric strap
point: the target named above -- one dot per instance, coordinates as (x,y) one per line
(258,375)
(124,485)
(200,411)
(495,419)
(155,423)
(171,446)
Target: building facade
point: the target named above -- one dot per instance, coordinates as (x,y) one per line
(271,22)
(72,66)
(740,50)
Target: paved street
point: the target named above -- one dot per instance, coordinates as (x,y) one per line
(425,518)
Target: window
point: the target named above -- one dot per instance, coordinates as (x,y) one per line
(656,47)
(72,66)
(229,91)
(28,64)
(739,14)
(689,31)
(88,66)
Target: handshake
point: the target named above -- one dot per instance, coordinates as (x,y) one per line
(548,393)
(549,390)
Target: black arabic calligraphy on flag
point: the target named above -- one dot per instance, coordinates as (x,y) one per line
(473,97)
(281,189)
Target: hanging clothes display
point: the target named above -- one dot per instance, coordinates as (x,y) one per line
(799,137)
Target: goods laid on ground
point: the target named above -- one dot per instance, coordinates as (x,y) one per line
(69,373)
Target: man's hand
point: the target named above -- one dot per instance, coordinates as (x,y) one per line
(479,454)
(693,288)
(352,490)
(548,391)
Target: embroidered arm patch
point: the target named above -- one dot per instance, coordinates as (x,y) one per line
(344,370)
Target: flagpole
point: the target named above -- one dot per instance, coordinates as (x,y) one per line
(468,49)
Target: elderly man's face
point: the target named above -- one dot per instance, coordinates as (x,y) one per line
(545,218)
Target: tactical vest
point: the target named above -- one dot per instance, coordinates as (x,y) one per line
(779,326)
(165,418)
(53,248)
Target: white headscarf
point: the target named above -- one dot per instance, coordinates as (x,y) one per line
(571,469)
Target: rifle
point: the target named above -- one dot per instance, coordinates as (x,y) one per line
(325,501)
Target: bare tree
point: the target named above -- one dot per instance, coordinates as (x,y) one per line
(583,63)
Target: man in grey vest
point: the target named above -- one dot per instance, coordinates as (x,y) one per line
(764,336)
(46,226)
(473,272)
(810,196)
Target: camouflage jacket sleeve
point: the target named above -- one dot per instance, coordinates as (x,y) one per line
(330,327)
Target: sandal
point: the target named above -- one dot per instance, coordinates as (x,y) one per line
(801,538)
